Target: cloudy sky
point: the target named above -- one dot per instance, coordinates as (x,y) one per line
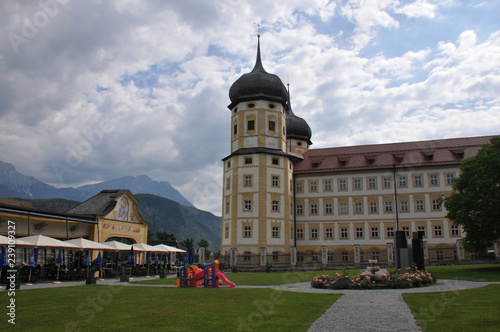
(94,90)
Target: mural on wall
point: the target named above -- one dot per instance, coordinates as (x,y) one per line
(124,211)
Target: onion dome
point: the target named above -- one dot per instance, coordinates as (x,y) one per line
(258,84)
(296,127)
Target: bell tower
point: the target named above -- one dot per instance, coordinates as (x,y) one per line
(257,211)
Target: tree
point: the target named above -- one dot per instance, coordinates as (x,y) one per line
(475,200)
(164,236)
(203,243)
(188,244)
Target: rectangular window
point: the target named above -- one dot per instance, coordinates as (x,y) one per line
(433,179)
(247,231)
(372,183)
(344,234)
(328,185)
(420,205)
(299,209)
(422,229)
(314,233)
(390,231)
(330,256)
(227,207)
(272,126)
(276,206)
(247,256)
(402,181)
(314,209)
(345,256)
(248,205)
(235,129)
(328,208)
(228,183)
(375,255)
(342,184)
(300,257)
(436,204)
(248,160)
(300,234)
(276,232)
(454,230)
(406,229)
(357,183)
(449,179)
(251,125)
(343,207)
(439,255)
(226,232)
(276,161)
(387,182)
(313,186)
(314,256)
(358,207)
(417,180)
(298,187)
(359,232)
(438,231)
(404,206)
(373,207)
(388,206)
(329,233)
(374,231)
(248,180)
(276,181)
(276,256)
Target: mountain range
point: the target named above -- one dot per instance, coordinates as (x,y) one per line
(15,184)
(160,204)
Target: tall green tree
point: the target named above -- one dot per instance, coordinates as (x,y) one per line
(202,243)
(188,244)
(164,236)
(475,200)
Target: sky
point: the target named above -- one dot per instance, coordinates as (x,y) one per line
(95,90)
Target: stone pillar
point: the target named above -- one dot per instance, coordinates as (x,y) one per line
(460,250)
(357,254)
(263,256)
(426,252)
(390,253)
(324,255)
(293,256)
(233,257)
(201,255)
(497,250)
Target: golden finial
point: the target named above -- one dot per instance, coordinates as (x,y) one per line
(258,29)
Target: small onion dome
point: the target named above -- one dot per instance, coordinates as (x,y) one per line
(258,84)
(296,127)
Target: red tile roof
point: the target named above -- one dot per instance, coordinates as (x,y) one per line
(380,156)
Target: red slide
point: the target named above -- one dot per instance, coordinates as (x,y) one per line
(225,279)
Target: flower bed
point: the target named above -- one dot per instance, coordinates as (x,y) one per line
(399,279)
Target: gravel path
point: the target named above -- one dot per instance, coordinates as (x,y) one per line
(375,310)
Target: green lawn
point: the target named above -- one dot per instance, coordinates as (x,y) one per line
(119,308)
(262,278)
(475,309)
(467,272)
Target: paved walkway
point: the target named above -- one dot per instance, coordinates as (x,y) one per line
(357,310)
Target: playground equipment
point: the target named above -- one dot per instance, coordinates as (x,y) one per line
(208,276)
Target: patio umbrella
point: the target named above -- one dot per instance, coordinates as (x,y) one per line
(4,240)
(166,258)
(98,260)
(164,248)
(32,262)
(131,257)
(117,246)
(59,261)
(88,262)
(143,247)
(87,244)
(3,261)
(37,241)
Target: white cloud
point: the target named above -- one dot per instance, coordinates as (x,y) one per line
(419,8)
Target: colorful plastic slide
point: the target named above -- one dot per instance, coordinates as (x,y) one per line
(225,279)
